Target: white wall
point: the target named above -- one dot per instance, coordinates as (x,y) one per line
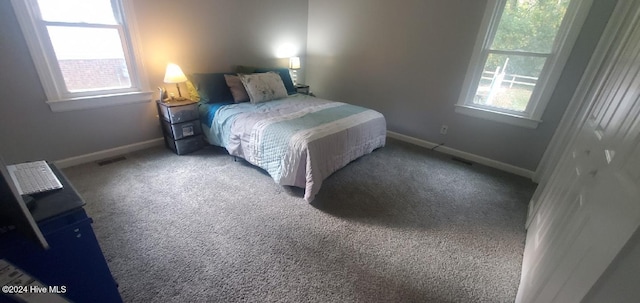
(199,35)
(619,283)
(408,60)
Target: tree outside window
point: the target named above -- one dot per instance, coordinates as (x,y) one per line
(514,61)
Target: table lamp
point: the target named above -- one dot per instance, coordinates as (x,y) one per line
(294,65)
(175,75)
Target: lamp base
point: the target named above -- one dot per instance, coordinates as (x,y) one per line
(179,92)
(294,76)
(173,98)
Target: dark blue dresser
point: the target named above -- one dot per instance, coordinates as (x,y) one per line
(74,258)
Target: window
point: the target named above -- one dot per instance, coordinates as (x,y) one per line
(83,51)
(520,51)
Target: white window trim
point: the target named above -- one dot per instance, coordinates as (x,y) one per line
(568,33)
(57,99)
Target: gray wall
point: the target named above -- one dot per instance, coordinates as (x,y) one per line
(198,35)
(408,59)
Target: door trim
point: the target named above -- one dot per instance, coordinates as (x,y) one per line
(576,111)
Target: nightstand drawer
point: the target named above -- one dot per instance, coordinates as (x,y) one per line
(182,130)
(176,112)
(185,145)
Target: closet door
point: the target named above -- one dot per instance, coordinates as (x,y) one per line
(591,206)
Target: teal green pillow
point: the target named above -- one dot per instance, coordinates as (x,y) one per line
(212,87)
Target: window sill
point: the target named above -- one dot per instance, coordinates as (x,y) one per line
(497,116)
(99,101)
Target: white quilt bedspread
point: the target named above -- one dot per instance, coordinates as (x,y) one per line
(299,140)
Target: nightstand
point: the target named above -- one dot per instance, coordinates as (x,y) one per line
(180,125)
(302,89)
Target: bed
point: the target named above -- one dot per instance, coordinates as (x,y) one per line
(299,140)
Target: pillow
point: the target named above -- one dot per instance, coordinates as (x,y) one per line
(237,88)
(263,87)
(283,72)
(212,87)
(285,75)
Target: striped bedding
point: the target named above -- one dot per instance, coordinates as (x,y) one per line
(299,140)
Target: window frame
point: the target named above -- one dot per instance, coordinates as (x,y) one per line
(42,53)
(570,27)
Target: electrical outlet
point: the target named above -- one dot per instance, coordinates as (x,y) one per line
(443,129)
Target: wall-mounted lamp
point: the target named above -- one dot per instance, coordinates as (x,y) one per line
(294,65)
(175,75)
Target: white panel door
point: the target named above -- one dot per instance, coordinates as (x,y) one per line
(591,206)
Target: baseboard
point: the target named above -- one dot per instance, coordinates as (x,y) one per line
(121,150)
(108,153)
(464,155)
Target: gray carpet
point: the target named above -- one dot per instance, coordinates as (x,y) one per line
(403,224)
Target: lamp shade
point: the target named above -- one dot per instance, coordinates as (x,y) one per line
(294,62)
(174,74)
